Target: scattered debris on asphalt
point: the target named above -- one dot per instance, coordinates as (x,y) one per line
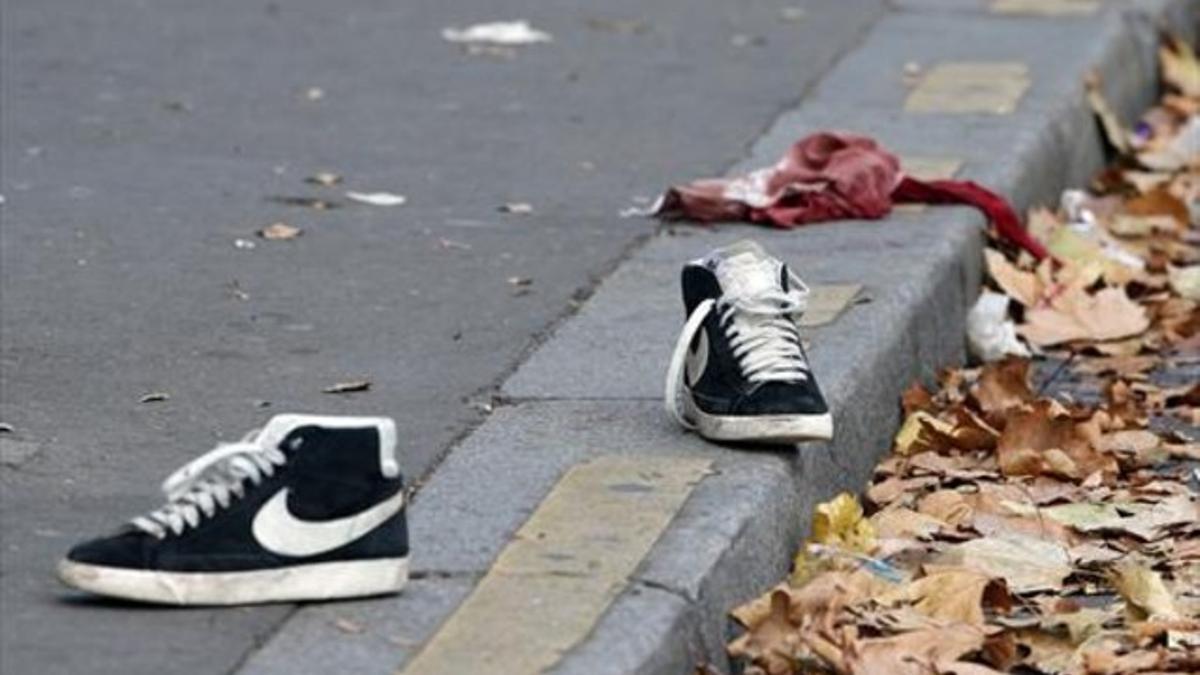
(244,244)
(324,179)
(792,14)
(742,40)
(347,387)
(452,244)
(516,207)
(521,285)
(348,626)
(314,93)
(280,231)
(503,33)
(377,198)
(1035,516)
(237,292)
(622,26)
(316,203)
(154,397)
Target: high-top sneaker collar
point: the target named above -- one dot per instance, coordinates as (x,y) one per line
(281,426)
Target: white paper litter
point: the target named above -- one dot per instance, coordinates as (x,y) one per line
(508,33)
(991,335)
(376,198)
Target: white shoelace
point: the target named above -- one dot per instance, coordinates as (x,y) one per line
(211,481)
(762,333)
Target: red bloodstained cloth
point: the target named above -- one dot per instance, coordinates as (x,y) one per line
(832,176)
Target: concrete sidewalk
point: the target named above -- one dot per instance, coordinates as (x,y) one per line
(592,391)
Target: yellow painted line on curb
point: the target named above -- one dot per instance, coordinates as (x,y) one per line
(1044,7)
(563,568)
(965,87)
(928,167)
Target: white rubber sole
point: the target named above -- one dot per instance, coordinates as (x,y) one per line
(315,581)
(759,428)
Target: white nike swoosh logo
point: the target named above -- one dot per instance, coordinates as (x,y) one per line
(280,532)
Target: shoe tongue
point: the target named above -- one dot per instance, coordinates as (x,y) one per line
(749,274)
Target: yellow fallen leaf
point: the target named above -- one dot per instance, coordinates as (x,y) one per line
(919,433)
(839,523)
(1145,592)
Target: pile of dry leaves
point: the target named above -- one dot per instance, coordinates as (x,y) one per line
(1017,528)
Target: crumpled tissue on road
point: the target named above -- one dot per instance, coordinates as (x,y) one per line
(830,176)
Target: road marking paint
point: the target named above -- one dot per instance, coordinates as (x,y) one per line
(966,87)
(826,303)
(929,167)
(563,567)
(1044,7)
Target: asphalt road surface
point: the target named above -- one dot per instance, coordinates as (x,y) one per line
(141,140)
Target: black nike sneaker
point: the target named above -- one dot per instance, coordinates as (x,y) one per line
(308,508)
(739,372)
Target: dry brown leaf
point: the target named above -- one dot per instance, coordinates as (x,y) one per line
(952,594)
(918,652)
(900,522)
(1017,284)
(1145,592)
(1003,385)
(770,643)
(1046,529)
(1158,203)
(347,387)
(280,231)
(1180,69)
(916,434)
(1026,564)
(948,506)
(915,398)
(888,491)
(1041,441)
(1076,315)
